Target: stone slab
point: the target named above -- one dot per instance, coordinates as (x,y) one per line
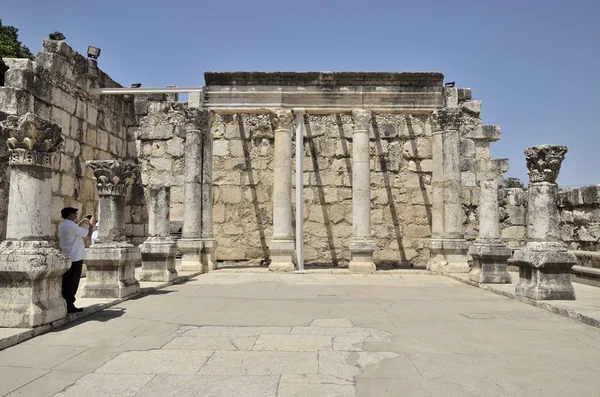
(296,343)
(47,385)
(38,356)
(93,385)
(15,377)
(261,363)
(211,343)
(211,386)
(157,362)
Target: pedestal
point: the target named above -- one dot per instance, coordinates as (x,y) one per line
(281,253)
(361,251)
(490,260)
(158,259)
(191,250)
(207,256)
(448,256)
(111,270)
(31,283)
(545,271)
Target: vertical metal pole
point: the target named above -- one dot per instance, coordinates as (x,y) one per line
(299,189)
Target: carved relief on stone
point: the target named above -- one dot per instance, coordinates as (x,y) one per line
(544,161)
(31,140)
(445,119)
(112,176)
(362,119)
(282,119)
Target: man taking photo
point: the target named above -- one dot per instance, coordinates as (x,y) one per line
(70,235)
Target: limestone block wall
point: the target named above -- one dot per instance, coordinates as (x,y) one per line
(513,216)
(54,87)
(580,217)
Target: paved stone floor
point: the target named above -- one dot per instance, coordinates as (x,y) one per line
(235,334)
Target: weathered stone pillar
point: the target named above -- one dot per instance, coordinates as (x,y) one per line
(544,263)
(209,244)
(30,264)
(448,251)
(281,246)
(111,259)
(191,243)
(158,251)
(489,254)
(362,244)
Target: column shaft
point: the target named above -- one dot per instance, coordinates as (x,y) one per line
(453,213)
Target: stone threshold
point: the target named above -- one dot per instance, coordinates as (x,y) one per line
(586,308)
(323,270)
(12,336)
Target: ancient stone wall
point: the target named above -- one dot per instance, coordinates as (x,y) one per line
(580,217)
(54,87)
(513,216)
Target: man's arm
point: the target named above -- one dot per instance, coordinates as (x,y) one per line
(86,227)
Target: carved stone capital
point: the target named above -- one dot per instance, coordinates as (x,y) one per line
(445,119)
(544,161)
(112,176)
(362,119)
(31,140)
(282,119)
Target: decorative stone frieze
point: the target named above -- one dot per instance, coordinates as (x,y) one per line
(490,255)
(158,251)
(112,259)
(544,263)
(31,266)
(282,244)
(361,244)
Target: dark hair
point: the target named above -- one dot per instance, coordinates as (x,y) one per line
(67,212)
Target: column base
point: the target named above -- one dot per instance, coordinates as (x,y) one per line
(207,255)
(31,283)
(448,256)
(191,260)
(158,259)
(490,262)
(361,251)
(545,271)
(111,270)
(281,253)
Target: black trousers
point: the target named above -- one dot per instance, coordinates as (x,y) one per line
(70,282)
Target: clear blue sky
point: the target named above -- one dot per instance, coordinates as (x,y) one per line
(535,64)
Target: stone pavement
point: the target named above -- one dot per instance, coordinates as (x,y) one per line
(236,334)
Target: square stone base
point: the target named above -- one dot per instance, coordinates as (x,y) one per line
(158,259)
(207,255)
(111,270)
(448,256)
(191,251)
(281,253)
(490,260)
(361,251)
(31,283)
(545,271)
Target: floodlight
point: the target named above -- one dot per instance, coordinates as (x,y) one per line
(58,36)
(450,84)
(136,85)
(93,52)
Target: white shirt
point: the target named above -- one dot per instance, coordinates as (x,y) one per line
(71,239)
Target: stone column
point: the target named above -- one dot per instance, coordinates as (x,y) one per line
(111,259)
(544,263)
(209,244)
(158,251)
(448,251)
(30,264)
(281,246)
(191,244)
(362,244)
(489,254)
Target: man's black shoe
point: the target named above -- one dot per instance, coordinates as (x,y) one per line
(73,309)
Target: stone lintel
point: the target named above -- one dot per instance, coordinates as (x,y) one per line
(484,132)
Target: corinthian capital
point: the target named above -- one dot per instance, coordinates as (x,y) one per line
(544,161)
(32,140)
(112,176)
(445,119)
(362,119)
(282,119)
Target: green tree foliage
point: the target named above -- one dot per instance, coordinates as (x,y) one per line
(10,47)
(514,182)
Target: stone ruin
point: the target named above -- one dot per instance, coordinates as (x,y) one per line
(397,173)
